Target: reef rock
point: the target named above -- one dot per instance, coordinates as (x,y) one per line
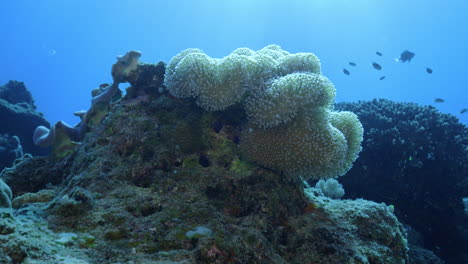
(10,150)
(19,116)
(415,158)
(161,180)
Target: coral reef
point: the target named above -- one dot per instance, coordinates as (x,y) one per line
(415,158)
(287,96)
(10,150)
(63,137)
(288,103)
(25,238)
(5,195)
(19,116)
(330,188)
(16,93)
(161,180)
(36,173)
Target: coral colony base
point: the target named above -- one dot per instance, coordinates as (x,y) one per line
(200,162)
(291,126)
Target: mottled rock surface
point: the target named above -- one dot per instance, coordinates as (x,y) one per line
(19,117)
(157,179)
(158,169)
(10,150)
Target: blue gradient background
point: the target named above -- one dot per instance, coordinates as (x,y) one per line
(62,49)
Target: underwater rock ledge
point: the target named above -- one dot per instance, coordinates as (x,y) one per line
(161,180)
(406,144)
(18,117)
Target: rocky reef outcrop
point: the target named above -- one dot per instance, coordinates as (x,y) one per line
(161,180)
(19,119)
(415,158)
(10,150)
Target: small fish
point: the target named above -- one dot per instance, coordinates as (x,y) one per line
(429,70)
(439,100)
(345,71)
(376,66)
(378,53)
(381,78)
(352,63)
(464,110)
(406,56)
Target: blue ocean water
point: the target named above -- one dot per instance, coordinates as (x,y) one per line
(64,49)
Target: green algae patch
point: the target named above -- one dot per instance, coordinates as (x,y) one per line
(223,152)
(116,234)
(191,162)
(242,168)
(86,241)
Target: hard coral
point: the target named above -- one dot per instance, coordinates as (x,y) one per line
(421,153)
(62,136)
(124,66)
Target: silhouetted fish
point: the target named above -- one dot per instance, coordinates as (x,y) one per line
(345,71)
(352,63)
(381,78)
(378,53)
(464,110)
(439,100)
(429,70)
(376,66)
(406,56)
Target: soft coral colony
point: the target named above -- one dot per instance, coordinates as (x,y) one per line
(290,126)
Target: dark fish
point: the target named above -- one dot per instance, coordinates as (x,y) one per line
(376,66)
(345,71)
(439,100)
(352,63)
(429,70)
(378,53)
(406,56)
(381,78)
(464,110)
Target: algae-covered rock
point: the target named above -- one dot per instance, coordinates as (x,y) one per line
(10,150)
(19,116)
(42,196)
(36,173)
(161,180)
(5,195)
(26,239)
